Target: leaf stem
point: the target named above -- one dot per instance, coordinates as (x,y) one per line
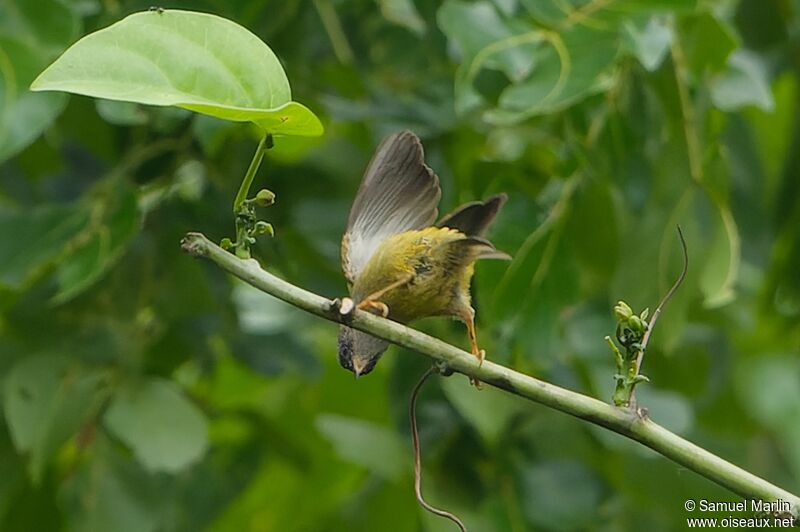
(333,27)
(244,188)
(623,421)
(689,118)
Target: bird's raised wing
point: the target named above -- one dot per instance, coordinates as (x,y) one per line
(399,192)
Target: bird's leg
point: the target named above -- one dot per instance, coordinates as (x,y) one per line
(372,301)
(469,319)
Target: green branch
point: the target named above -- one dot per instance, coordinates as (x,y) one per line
(628,422)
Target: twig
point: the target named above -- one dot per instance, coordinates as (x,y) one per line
(664,301)
(412,414)
(620,420)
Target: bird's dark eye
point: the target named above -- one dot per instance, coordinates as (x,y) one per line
(345,349)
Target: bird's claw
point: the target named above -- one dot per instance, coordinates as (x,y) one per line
(480,354)
(375,307)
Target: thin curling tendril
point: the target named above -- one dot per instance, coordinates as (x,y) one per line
(412,412)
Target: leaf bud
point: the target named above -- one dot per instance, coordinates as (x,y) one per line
(622,311)
(636,325)
(265,197)
(264,228)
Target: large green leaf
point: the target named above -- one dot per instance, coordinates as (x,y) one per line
(403,13)
(476,27)
(46,401)
(769,388)
(599,13)
(570,66)
(116,219)
(31,34)
(36,239)
(707,41)
(721,270)
(745,82)
(165,430)
(566,53)
(377,448)
(490,412)
(111,492)
(558,491)
(82,239)
(597,250)
(649,41)
(197,61)
(485,40)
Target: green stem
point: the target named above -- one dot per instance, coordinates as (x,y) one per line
(244,189)
(336,34)
(689,118)
(626,421)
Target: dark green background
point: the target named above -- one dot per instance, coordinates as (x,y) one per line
(144,390)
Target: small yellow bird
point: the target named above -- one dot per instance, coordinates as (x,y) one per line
(396,262)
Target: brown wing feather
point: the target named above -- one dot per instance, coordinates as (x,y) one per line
(399,192)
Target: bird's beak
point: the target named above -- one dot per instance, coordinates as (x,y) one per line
(358,367)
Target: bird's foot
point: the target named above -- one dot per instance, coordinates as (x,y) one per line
(375,307)
(480,354)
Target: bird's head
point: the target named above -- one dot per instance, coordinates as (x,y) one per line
(358,351)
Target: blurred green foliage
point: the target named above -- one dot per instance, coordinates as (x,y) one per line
(146,391)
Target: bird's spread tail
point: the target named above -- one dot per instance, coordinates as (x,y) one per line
(474,218)
(481,248)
